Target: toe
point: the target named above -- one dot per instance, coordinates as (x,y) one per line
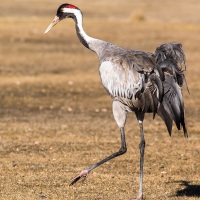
(74,180)
(83,173)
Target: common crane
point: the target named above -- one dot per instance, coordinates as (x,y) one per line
(139,82)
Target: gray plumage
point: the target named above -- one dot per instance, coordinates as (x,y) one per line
(139,82)
(171,60)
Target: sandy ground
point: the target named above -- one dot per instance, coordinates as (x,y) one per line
(56,118)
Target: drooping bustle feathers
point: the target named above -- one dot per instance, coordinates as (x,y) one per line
(170,60)
(171,51)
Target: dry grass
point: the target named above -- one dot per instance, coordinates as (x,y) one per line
(56,117)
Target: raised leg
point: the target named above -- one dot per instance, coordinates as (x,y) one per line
(120,117)
(142,148)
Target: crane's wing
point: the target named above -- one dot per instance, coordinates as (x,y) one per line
(142,61)
(123,74)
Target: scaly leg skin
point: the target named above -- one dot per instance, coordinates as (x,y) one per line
(142,148)
(83,174)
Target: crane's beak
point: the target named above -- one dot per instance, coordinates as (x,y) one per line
(53,23)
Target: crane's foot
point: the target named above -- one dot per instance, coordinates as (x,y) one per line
(140,197)
(83,174)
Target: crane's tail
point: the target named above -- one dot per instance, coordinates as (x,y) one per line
(170,64)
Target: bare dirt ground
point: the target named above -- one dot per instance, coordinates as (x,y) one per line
(56,118)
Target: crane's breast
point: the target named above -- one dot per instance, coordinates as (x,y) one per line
(119,79)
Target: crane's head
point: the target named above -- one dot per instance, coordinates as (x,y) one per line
(64,11)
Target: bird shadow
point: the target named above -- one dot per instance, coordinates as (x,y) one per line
(190,190)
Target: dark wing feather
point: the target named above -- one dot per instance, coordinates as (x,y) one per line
(170,64)
(166,118)
(173,102)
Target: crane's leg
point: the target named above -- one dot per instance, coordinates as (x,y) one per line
(142,148)
(120,117)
